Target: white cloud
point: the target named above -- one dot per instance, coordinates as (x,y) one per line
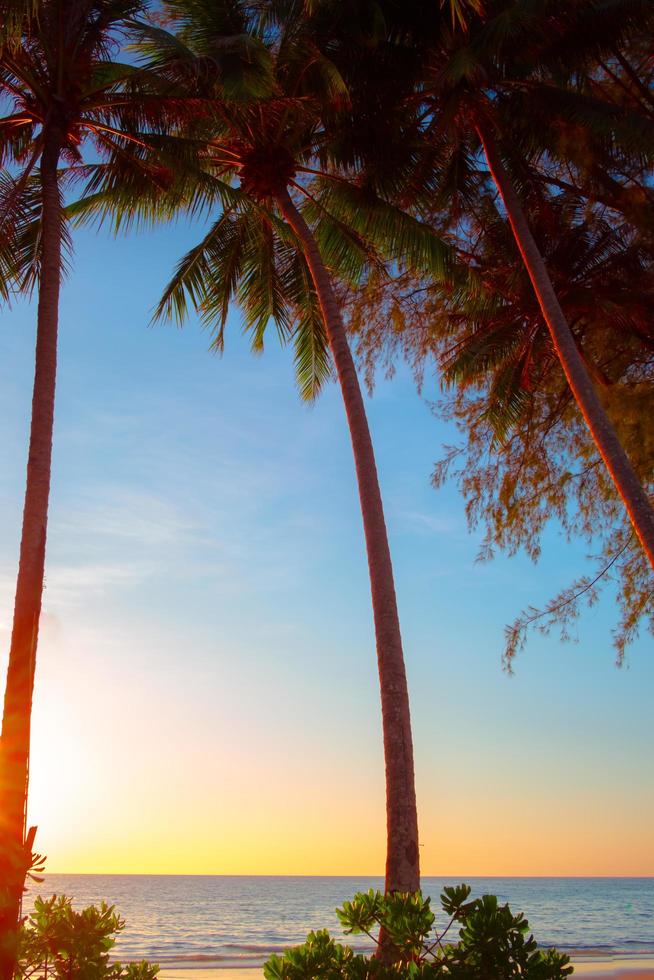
(71,585)
(142,517)
(431,523)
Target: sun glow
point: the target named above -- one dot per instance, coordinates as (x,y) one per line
(128,779)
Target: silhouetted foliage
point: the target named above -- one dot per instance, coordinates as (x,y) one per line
(60,943)
(492,942)
(524,457)
(573,112)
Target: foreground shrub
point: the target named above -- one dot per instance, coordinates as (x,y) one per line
(493,944)
(58,943)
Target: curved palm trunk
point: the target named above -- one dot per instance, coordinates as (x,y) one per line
(15,739)
(606,439)
(402,857)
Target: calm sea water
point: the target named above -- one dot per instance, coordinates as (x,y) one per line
(237,921)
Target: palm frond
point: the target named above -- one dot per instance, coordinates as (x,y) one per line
(397,235)
(194,272)
(313,366)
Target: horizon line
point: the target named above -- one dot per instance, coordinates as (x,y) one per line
(195,874)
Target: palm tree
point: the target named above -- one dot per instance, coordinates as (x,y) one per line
(61,90)
(490,333)
(488,119)
(494,85)
(627,483)
(274,248)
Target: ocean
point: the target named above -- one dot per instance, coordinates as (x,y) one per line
(225,921)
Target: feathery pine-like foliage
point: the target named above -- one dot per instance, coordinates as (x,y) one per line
(567,88)
(525,457)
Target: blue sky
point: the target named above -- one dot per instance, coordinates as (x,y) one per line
(207,689)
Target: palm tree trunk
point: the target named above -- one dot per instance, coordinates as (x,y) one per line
(15,738)
(402,856)
(606,438)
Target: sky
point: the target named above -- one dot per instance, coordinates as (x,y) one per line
(207,697)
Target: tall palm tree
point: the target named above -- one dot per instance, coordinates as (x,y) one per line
(490,333)
(493,87)
(274,248)
(625,478)
(60,90)
(489,119)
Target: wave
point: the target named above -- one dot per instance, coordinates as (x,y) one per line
(629,950)
(229,921)
(257,947)
(228,953)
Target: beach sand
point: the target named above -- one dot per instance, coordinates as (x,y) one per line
(589,969)
(614,969)
(246,973)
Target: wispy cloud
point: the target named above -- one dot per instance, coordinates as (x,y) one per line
(430,523)
(101,544)
(71,585)
(125,515)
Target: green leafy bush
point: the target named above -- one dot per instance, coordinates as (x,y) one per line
(493,944)
(59,943)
